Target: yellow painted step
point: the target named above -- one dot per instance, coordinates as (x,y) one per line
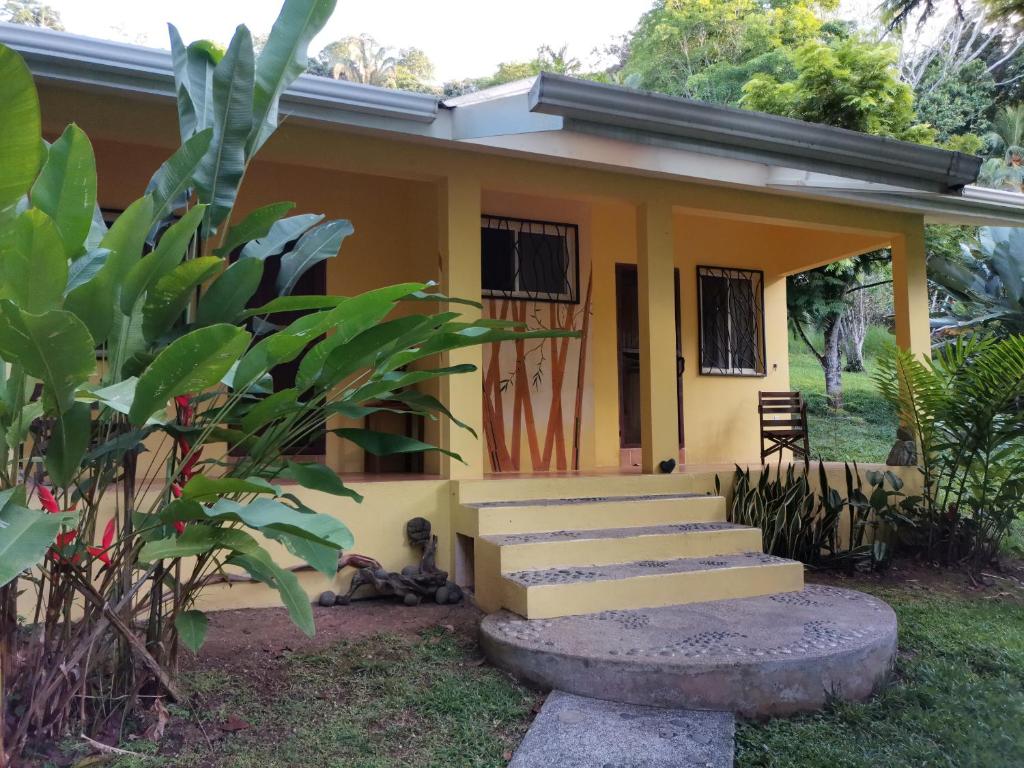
(548,515)
(548,593)
(521,551)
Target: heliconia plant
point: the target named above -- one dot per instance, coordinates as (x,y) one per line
(111,355)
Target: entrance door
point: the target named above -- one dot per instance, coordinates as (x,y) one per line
(628,318)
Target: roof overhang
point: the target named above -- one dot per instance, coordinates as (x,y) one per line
(559,119)
(625,113)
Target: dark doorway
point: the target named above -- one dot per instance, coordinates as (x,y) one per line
(628,319)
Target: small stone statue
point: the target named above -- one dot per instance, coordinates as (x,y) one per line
(416,582)
(904,450)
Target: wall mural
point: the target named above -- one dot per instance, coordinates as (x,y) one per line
(525,386)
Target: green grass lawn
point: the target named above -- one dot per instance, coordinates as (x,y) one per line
(378,702)
(864,430)
(958,700)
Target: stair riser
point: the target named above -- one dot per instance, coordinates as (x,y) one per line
(598,515)
(553,600)
(669,546)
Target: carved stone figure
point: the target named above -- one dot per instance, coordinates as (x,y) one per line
(415,583)
(904,450)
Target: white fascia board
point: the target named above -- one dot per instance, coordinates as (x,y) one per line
(645,159)
(499,117)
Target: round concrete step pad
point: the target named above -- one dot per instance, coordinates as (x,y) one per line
(758,657)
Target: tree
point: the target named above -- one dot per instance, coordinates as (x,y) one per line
(851,84)
(360,59)
(708,50)
(414,71)
(1005,168)
(32,13)
(897,13)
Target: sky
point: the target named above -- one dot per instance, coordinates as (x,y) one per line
(464,38)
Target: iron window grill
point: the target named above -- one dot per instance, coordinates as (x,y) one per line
(529,259)
(731,320)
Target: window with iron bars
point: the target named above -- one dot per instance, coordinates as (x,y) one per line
(731,317)
(529,259)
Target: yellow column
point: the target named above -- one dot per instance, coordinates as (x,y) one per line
(910,290)
(659,405)
(459,245)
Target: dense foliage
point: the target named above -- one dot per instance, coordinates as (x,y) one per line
(963,409)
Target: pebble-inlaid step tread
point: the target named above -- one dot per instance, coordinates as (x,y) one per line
(550,576)
(585,500)
(611,533)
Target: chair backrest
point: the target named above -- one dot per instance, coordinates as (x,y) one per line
(783,417)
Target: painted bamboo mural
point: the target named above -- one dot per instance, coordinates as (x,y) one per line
(535,371)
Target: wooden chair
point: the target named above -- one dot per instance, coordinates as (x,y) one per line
(783,424)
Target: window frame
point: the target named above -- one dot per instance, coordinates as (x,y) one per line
(571,233)
(756,278)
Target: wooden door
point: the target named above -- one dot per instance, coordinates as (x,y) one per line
(628,320)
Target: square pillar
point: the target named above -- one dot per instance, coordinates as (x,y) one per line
(458,236)
(910,291)
(659,404)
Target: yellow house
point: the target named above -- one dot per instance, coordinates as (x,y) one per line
(662,229)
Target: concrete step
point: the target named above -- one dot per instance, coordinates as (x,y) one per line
(522,551)
(585,514)
(552,592)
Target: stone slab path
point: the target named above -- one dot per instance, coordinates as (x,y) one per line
(575,732)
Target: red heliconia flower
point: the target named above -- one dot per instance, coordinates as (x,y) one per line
(46,499)
(64,540)
(179,526)
(189,467)
(176,490)
(185,410)
(108,539)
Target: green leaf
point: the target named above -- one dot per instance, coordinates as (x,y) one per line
(224,301)
(55,347)
(66,188)
(257,224)
(386,443)
(262,568)
(281,233)
(318,244)
(170,184)
(168,298)
(68,443)
(127,236)
(203,488)
(86,268)
(191,363)
(192,627)
(425,402)
(25,534)
(295,304)
(118,396)
(268,514)
(165,257)
(220,172)
(277,405)
(321,557)
(21,147)
(317,477)
(282,60)
(196,540)
(34,267)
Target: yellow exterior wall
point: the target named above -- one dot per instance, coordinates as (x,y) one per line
(395,191)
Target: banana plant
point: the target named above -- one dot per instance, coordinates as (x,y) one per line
(112,355)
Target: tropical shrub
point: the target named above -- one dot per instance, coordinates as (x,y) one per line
(964,408)
(800,523)
(141,439)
